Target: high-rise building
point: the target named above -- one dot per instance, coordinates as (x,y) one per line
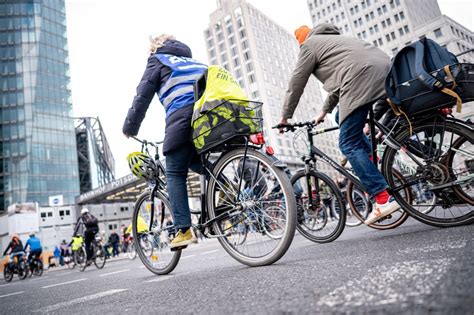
(95,160)
(393,24)
(38,156)
(261,55)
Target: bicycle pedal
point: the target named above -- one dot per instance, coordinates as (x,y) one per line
(174,249)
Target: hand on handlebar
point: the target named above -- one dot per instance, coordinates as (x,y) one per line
(281,124)
(319,118)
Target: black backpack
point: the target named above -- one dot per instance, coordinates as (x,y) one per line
(424,76)
(89,220)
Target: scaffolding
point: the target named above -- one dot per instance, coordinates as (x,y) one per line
(95,160)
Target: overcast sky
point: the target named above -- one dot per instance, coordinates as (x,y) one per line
(108,49)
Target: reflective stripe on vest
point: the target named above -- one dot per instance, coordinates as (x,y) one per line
(178,92)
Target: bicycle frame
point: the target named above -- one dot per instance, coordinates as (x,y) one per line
(160,185)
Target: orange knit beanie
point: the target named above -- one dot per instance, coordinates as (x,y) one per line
(301,33)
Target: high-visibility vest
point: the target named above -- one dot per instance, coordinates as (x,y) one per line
(178,91)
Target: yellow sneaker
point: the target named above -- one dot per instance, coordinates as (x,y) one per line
(183,239)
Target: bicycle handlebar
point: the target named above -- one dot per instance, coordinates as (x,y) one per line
(292,127)
(146,142)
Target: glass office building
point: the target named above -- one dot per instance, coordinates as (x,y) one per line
(38,156)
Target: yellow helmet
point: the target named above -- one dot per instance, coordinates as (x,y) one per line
(142,166)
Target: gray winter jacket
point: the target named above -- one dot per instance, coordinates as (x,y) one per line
(352,71)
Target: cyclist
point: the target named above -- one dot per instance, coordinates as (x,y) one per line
(16,248)
(353,72)
(171,73)
(92,227)
(35,247)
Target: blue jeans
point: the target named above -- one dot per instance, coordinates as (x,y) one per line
(355,145)
(13,255)
(178,162)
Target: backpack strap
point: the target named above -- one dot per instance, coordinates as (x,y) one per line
(424,76)
(450,92)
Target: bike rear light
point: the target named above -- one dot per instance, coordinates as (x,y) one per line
(257,139)
(269,150)
(446,111)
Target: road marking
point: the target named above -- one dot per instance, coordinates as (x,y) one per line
(113,273)
(64,274)
(87,298)
(142,267)
(189,256)
(63,283)
(161,278)
(20,292)
(210,252)
(377,288)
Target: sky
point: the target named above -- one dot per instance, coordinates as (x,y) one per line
(108,49)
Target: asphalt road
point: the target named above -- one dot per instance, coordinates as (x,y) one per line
(412,269)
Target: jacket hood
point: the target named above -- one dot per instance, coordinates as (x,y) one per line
(325,28)
(176,48)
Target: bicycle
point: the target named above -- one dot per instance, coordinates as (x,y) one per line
(17,266)
(228,212)
(98,258)
(35,266)
(433,150)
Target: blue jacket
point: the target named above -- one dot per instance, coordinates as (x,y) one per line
(34,243)
(178,121)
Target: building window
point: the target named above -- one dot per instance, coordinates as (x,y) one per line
(255,95)
(61,213)
(402,15)
(251,78)
(438,32)
(247,55)
(389,22)
(400,30)
(396,17)
(394,51)
(68,212)
(242,34)
(384,25)
(379,11)
(387,37)
(43,214)
(384,8)
(393,35)
(375,43)
(50,214)
(406,29)
(376,28)
(380,41)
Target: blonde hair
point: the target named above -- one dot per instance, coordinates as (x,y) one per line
(159,41)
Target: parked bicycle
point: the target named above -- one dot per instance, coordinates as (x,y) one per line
(18,266)
(247,203)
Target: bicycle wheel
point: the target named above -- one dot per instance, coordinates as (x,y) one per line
(80,258)
(265,205)
(429,163)
(7,272)
(316,221)
(152,244)
(361,203)
(38,268)
(99,260)
(22,270)
(131,252)
(389,222)
(70,261)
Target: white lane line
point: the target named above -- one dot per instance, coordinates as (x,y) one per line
(10,294)
(161,278)
(189,256)
(113,273)
(63,283)
(64,274)
(87,298)
(210,252)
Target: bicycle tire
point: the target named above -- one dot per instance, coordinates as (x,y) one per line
(379,225)
(99,253)
(80,258)
(341,221)
(7,273)
(389,156)
(289,201)
(136,237)
(22,270)
(38,269)
(349,212)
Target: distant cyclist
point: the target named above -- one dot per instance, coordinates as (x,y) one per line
(34,244)
(91,228)
(16,248)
